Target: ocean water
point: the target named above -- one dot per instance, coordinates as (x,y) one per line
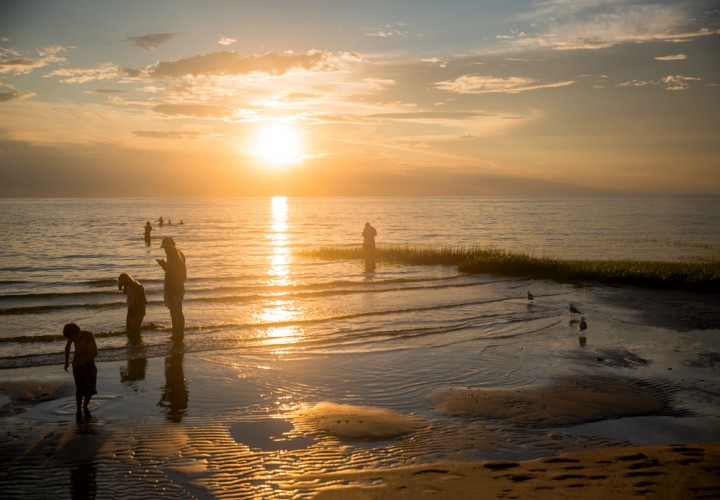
(59,261)
(314,330)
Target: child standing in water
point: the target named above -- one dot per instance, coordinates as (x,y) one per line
(83,363)
(136,302)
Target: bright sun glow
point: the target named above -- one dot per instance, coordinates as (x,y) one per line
(278,144)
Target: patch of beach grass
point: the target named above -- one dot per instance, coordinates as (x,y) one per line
(700,276)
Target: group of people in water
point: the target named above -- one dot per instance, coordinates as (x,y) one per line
(83,342)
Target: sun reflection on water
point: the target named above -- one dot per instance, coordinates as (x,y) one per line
(281,310)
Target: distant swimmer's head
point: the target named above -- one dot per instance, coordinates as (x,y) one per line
(167,242)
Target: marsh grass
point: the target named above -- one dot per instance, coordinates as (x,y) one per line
(703,276)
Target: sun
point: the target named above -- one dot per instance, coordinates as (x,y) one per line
(278,144)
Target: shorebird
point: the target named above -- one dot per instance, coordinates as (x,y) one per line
(530,296)
(582,326)
(574,309)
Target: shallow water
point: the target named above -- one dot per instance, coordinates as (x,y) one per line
(271,336)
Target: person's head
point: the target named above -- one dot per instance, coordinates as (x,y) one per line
(147,223)
(71,330)
(167,243)
(125,280)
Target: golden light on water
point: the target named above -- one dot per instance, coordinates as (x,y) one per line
(280,310)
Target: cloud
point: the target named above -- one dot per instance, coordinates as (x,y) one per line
(172,134)
(431,115)
(9,93)
(224,40)
(678,82)
(676,57)
(387,31)
(106,71)
(196,110)
(671,82)
(470,84)
(150,42)
(12,61)
(598,24)
(231,63)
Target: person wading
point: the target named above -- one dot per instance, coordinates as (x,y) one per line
(174,288)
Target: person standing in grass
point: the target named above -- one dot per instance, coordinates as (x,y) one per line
(83,365)
(369,233)
(174,288)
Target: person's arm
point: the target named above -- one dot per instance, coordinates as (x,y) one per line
(162,263)
(67,354)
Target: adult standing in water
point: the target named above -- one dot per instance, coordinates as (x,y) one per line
(174,288)
(369,233)
(148,228)
(136,303)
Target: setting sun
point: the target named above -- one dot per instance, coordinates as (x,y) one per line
(277,143)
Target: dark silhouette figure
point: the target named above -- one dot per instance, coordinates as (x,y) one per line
(175,394)
(83,364)
(136,302)
(369,233)
(161,222)
(174,288)
(148,229)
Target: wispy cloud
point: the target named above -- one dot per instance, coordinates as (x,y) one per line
(388,30)
(232,63)
(598,24)
(195,110)
(13,61)
(671,82)
(9,93)
(172,134)
(676,57)
(152,41)
(106,71)
(226,40)
(471,84)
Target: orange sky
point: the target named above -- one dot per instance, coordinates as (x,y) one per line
(171,98)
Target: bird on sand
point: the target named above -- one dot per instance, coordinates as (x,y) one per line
(582,326)
(530,296)
(574,309)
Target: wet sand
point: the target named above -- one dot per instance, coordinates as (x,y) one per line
(185,426)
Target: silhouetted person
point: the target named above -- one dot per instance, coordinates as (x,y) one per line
(136,303)
(369,233)
(83,363)
(148,228)
(161,221)
(174,288)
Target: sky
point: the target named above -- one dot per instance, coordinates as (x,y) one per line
(177,98)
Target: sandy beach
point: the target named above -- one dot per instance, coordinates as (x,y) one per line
(190,426)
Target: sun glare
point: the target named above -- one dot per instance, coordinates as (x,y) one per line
(277,144)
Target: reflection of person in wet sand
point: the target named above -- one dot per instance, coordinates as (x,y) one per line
(83,363)
(175,394)
(148,229)
(369,233)
(136,303)
(174,289)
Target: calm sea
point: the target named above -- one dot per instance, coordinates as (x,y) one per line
(60,258)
